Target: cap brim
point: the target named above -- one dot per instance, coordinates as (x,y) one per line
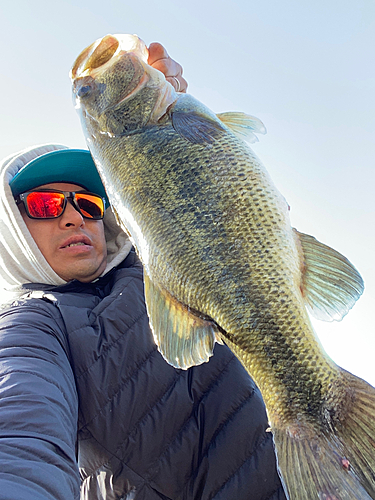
(74,166)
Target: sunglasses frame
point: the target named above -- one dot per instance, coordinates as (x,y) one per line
(68,195)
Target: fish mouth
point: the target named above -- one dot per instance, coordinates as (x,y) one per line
(97,58)
(100,53)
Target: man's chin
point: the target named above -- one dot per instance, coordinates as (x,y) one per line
(84,272)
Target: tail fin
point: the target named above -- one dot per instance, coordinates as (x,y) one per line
(357,431)
(336,463)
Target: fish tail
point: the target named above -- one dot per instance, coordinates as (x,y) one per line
(357,431)
(336,462)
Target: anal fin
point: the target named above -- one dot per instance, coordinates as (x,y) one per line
(183,337)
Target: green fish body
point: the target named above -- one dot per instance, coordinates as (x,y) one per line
(222,263)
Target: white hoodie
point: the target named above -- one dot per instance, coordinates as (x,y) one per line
(21,261)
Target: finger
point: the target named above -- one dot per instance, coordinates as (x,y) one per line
(167,66)
(156,51)
(172,70)
(178,82)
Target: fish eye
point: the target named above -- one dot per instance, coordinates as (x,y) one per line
(84,91)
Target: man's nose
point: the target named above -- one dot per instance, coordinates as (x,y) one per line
(71,216)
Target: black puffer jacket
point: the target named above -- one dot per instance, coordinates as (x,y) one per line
(84,353)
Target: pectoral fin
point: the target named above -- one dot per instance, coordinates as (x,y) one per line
(330,283)
(183,337)
(195,127)
(243,125)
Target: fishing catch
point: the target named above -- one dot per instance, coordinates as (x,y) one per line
(222,262)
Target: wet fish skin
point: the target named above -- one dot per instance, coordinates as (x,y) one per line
(221,260)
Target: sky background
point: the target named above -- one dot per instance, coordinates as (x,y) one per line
(306,69)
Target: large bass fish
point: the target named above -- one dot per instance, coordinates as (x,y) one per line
(222,263)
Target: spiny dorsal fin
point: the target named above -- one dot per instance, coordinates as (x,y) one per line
(183,338)
(243,125)
(330,285)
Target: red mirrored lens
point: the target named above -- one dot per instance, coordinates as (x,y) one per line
(91,206)
(42,205)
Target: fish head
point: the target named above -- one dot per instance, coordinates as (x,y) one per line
(115,90)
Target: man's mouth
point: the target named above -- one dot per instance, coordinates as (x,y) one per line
(76,241)
(75,244)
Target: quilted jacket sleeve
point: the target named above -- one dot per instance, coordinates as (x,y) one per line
(38,406)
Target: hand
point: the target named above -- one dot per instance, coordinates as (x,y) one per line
(159,59)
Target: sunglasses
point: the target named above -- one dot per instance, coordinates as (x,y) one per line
(50,204)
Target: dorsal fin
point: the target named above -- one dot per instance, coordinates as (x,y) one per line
(330,285)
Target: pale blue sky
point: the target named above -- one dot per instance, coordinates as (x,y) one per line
(306,69)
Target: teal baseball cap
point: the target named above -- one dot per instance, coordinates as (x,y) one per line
(74,166)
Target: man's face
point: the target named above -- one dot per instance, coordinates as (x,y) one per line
(54,237)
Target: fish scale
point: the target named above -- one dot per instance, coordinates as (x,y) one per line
(259,221)
(222,262)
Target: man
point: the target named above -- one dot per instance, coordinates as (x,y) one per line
(88,407)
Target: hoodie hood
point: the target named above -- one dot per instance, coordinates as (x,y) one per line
(21,261)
